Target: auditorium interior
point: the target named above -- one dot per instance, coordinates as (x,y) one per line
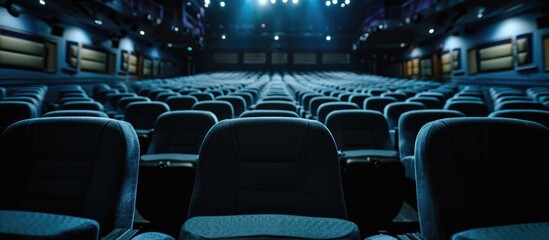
(274,119)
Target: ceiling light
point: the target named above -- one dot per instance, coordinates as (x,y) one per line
(402,45)
(263,25)
(284,1)
(328,38)
(295,1)
(347,2)
(431,30)
(98,22)
(223,36)
(334,1)
(276,37)
(263,2)
(142,32)
(189,3)
(170,45)
(273,1)
(343,5)
(328,3)
(42,2)
(176,29)
(479,15)
(190,49)
(381,26)
(222,4)
(206,5)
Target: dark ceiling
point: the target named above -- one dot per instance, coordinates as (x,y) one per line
(357,23)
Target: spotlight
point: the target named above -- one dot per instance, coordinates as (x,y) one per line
(223,36)
(479,15)
(142,32)
(343,5)
(328,38)
(284,1)
(170,45)
(276,37)
(98,20)
(402,45)
(222,4)
(273,1)
(431,31)
(262,2)
(42,2)
(347,2)
(328,3)
(295,1)
(190,49)
(263,25)
(334,1)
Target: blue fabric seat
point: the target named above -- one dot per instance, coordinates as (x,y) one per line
(276,105)
(181,102)
(392,113)
(477,174)
(13,111)
(222,109)
(370,167)
(75,113)
(167,170)
(536,115)
(268,113)
(238,103)
(302,171)
(469,108)
(82,105)
(378,103)
(326,108)
(73,167)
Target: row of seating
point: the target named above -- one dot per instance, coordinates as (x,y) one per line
(362,138)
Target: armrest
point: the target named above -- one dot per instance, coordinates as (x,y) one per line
(364,153)
(29,225)
(120,234)
(169,160)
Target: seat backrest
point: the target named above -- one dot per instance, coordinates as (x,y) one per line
(393,111)
(13,111)
(429,102)
(317,101)
(358,98)
(377,103)
(411,122)
(255,164)
(181,102)
(359,129)
(238,103)
(468,176)
(82,105)
(75,113)
(536,115)
(268,113)
(222,109)
(519,104)
(143,115)
(203,96)
(469,108)
(327,108)
(276,105)
(181,131)
(78,166)
(125,101)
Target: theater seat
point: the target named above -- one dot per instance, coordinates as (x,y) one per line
(268,113)
(222,109)
(75,113)
(13,111)
(167,170)
(482,178)
(536,115)
(69,178)
(245,172)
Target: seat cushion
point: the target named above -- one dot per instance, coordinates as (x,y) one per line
(530,231)
(35,225)
(268,225)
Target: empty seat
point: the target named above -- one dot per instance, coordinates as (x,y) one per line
(124,102)
(519,104)
(82,105)
(470,185)
(268,113)
(377,103)
(316,102)
(222,109)
(392,113)
(143,115)
(181,102)
(399,96)
(276,105)
(302,172)
(409,125)
(203,96)
(278,98)
(238,103)
(469,108)
(75,113)
(13,111)
(370,167)
(429,102)
(76,178)
(358,99)
(327,108)
(167,170)
(536,115)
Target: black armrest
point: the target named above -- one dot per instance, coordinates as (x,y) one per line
(169,160)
